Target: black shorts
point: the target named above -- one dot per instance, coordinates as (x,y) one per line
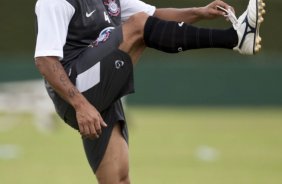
(103,74)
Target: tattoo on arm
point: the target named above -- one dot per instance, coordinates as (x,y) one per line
(57,67)
(63,79)
(72,92)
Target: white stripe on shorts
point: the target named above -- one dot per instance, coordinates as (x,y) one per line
(89,78)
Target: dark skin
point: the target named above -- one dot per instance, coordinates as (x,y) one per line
(89,119)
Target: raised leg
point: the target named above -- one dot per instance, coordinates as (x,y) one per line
(142,30)
(133,31)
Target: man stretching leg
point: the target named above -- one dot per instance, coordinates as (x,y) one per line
(86,50)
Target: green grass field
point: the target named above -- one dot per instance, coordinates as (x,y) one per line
(167,145)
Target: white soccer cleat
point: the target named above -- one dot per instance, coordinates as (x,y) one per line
(247,27)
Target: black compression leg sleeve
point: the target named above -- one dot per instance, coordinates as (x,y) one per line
(173,37)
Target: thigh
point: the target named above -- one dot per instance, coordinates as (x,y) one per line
(95,149)
(115,160)
(103,73)
(107,80)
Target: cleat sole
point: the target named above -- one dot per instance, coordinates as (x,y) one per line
(260,12)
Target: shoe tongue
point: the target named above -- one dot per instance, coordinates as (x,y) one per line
(233,19)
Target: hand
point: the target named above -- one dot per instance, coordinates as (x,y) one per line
(89,121)
(211,12)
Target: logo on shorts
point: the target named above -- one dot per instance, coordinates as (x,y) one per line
(103,36)
(113,8)
(119,64)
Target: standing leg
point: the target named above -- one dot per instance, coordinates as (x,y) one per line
(114,168)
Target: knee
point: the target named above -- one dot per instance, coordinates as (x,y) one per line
(139,19)
(119,174)
(137,22)
(117,179)
(125,179)
(123,176)
(133,34)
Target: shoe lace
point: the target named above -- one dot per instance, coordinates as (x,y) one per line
(232,18)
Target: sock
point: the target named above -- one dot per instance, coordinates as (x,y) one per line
(173,37)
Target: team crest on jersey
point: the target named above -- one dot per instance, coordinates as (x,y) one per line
(103,36)
(113,7)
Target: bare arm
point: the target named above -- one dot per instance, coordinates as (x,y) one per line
(187,15)
(192,15)
(89,119)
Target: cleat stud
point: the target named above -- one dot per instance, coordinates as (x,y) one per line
(260,20)
(257,48)
(258,41)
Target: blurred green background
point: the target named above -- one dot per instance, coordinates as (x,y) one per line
(167,145)
(202,116)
